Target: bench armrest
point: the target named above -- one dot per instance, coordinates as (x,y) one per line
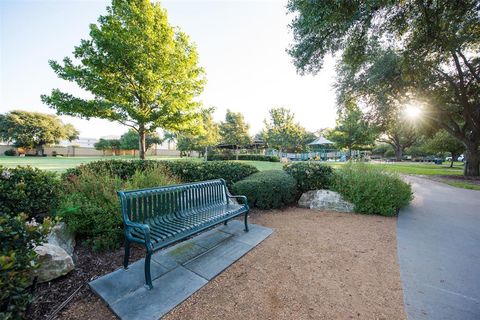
(145,229)
(245,201)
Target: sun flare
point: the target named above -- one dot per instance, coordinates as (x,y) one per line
(412,111)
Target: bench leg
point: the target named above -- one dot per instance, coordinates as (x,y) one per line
(148,277)
(246,222)
(225,223)
(126,257)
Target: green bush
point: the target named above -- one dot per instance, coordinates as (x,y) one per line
(10,152)
(371,189)
(119,168)
(90,205)
(29,190)
(249,157)
(17,261)
(190,171)
(267,189)
(310,175)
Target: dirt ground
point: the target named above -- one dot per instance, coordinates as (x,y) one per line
(316,265)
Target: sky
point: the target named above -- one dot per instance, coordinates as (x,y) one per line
(242,47)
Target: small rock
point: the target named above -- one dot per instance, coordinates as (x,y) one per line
(54,262)
(62,237)
(325,200)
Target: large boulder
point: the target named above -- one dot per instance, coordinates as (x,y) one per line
(54,262)
(325,200)
(62,237)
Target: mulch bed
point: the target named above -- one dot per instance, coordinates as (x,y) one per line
(88,266)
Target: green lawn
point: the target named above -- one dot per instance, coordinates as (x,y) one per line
(426,169)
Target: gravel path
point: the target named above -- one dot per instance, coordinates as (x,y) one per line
(315,265)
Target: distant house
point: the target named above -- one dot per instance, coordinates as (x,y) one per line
(81,142)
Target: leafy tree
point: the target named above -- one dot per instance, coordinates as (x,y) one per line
(352,130)
(141,71)
(107,144)
(31,130)
(208,136)
(399,50)
(131,140)
(282,133)
(234,130)
(442,141)
(400,135)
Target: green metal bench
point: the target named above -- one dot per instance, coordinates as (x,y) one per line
(158,217)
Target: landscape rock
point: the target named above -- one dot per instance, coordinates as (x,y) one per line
(325,200)
(62,237)
(54,262)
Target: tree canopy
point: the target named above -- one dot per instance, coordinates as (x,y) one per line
(393,52)
(33,130)
(234,130)
(352,130)
(140,71)
(282,133)
(131,140)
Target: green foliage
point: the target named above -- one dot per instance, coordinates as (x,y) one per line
(234,130)
(131,140)
(282,133)
(310,175)
(269,189)
(352,130)
(33,129)
(18,260)
(141,71)
(442,141)
(371,189)
(10,152)
(107,144)
(246,157)
(208,136)
(393,52)
(28,190)
(190,171)
(90,205)
(118,168)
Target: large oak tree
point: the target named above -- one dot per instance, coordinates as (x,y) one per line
(427,50)
(140,71)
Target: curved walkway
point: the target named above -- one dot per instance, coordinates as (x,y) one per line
(438,238)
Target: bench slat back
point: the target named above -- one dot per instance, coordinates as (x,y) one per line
(182,199)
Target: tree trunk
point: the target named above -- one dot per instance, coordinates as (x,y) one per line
(206,153)
(141,137)
(398,153)
(472,161)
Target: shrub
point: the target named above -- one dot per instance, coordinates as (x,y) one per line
(371,189)
(119,168)
(250,157)
(267,189)
(190,171)
(310,175)
(29,190)
(17,261)
(90,205)
(10,152)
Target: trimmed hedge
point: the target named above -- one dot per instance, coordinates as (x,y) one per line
(18,260)
(190,171)
(28,190)
(186,171)
(247,157)
(10,152)
(267,189)
(310,175)
(371,189)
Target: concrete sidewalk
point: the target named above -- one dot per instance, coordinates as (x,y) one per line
(439,251)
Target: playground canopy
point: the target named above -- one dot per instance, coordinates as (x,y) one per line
(320,141)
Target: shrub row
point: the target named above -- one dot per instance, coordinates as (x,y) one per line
(310,175)
(267,189)
(371,189)
(28,190)
(250,157)
(18,259)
